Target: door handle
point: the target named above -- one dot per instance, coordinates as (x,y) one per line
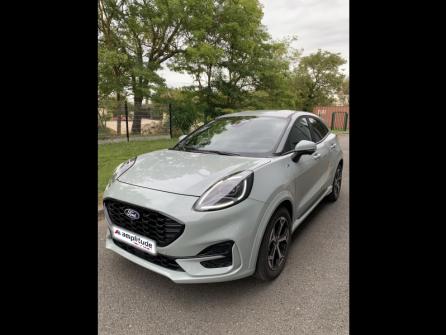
(332,146)
(316,155)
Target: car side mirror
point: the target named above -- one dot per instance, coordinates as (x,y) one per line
(303,148)
(181,138)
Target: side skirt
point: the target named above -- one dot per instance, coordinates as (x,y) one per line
(302,218)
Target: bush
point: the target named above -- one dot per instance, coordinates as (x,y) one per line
(184,116)
(186,109)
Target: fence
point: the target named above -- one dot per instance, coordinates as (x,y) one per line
(335,117)
(124,122)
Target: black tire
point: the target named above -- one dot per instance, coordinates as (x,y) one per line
(268,268)
(336,186)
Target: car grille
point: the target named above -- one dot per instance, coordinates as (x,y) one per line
(158,227)
(161,260)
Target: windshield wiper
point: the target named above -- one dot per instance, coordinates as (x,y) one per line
(220,152)
(211,151)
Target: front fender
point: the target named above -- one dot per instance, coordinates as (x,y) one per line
(268,213)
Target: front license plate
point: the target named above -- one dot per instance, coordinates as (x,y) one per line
(138,241)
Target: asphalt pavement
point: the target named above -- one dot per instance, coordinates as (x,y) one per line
(311,296)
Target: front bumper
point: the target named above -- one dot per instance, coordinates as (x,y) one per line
(202,229)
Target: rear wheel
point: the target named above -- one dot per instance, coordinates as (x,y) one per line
(273,251)
(336,186)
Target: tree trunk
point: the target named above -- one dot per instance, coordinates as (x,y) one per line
(136,126)
(208,110)
(101,122)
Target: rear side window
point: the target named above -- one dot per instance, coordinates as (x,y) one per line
(318,129)
(300,131)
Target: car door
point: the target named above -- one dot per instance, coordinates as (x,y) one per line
(303,175)
(321,170)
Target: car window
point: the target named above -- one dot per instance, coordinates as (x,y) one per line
(298,132)
(318,129)
(242,135)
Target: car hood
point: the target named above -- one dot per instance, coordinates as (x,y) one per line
(183,172)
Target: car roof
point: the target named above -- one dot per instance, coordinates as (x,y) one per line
(283,113)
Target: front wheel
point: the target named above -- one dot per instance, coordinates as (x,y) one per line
(273,251)
(336,186)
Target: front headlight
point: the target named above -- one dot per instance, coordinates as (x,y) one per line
(226,192)
(121,168)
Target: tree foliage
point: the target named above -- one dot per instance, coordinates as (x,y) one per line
(317,79)
(222,44)
(146,34)
(113,63)
(185,105)
(345,86)
(233,60)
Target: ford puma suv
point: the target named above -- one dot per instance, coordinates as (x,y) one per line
(223,202)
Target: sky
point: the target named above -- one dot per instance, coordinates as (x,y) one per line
(318,24)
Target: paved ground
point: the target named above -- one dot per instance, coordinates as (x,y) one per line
(309,297)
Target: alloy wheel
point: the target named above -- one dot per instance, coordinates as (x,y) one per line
(337,182)
(278,243)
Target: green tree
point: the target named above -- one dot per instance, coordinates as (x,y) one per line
(187,110)
(317,78)
(222,44)
(274,79)
(228,54)
(113,64)
(112,60)
(149,33)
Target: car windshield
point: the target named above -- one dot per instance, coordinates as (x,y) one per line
(237,135)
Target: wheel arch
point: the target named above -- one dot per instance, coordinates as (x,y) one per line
(283,199)
(288,205)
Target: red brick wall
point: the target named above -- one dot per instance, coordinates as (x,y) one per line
(325,113)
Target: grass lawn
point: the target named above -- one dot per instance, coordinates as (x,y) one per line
(110,155)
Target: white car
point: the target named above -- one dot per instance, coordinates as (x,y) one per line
(222,203)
